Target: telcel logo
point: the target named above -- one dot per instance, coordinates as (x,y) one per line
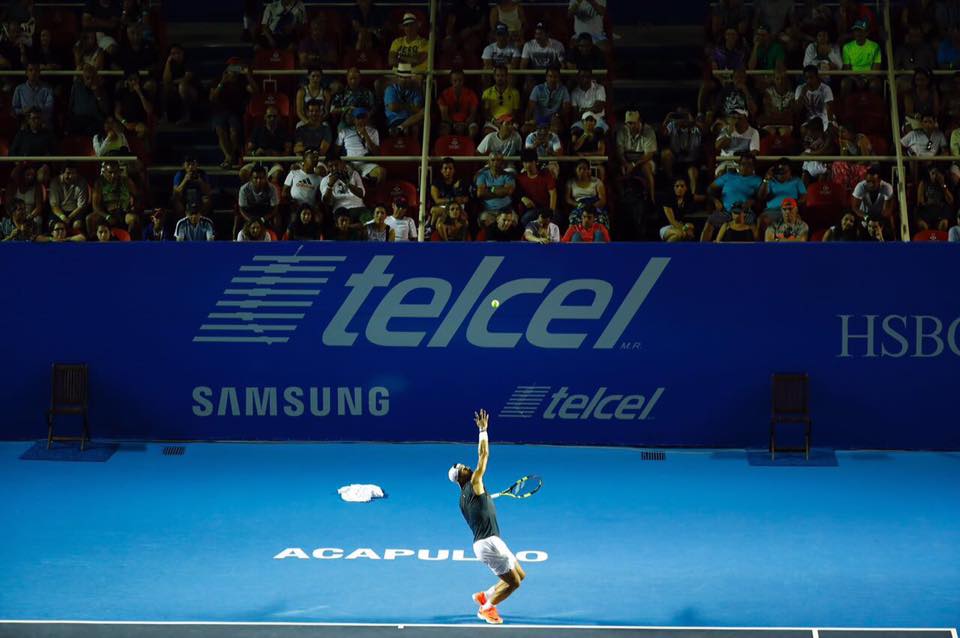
(565,405)
(537,333)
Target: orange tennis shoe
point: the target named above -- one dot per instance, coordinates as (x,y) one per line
(490,615)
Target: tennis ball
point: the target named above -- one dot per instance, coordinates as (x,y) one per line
(495,303)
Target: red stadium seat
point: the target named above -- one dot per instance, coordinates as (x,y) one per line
(120,234)
(778,145)
(825,193)
(394,146)
(931,235)
(818,234)
(397,188)
(258,104)
(364,59)
(277,60)
(454,146)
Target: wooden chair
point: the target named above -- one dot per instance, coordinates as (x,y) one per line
(68,396)
(791,404)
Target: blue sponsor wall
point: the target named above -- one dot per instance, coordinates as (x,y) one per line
(626,344)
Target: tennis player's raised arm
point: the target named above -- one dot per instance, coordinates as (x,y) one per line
(483,451)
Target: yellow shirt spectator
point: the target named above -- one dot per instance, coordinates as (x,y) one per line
(412,51)
(497,103)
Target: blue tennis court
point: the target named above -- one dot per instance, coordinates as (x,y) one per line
(256,533)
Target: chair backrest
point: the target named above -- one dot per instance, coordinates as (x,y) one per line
(454,146)
(272,59)
(790,394)
(931,235)
(257,106)
(69,385)
(393,146)
(120,234)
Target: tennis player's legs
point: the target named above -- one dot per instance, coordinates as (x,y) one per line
(495,554)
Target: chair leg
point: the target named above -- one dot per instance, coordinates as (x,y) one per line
(773,442)
(49,430)
(86,432)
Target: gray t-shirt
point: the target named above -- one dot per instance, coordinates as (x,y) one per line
(479,512)
(69,198)
(261,201)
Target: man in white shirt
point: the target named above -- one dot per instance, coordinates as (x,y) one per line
(342,188)
(588,18)
(542,52)
(403,226)
(927,140)
(194,227)
(873,197)
(814,98)
(302,184)
(501,51)
(359,139)
(505,141)
(588,96)
(736,137)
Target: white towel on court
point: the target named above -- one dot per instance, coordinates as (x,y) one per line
(360,492)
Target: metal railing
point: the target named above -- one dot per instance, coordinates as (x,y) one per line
(57,159)
(895,126)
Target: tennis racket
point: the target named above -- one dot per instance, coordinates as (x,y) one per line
(523,488)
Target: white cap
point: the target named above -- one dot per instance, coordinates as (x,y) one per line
(453,473)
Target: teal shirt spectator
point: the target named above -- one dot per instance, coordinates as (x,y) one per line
(547,102)
(737,188)
(486,178)
(397,94)
(792,188)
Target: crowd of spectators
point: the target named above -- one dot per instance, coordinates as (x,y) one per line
(685,175)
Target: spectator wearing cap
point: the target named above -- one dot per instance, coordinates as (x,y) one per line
(510,13)
(458,106)
(499,99)
(736,137)
(495,189)
(542,52)
(588,229)
(779,184)
(191,188)
(281,24)
(33,94)
(352,96)
(584,53)
(194,227)
(403,102)
(540,229)
(449,189)
(767,52)
(637,150)
(733,188)
(500,52)
(551,100)
(789,227)
(404,227)
(315,133)
(536,188)
(852,11)
(258,198)
(589,141)
(506,140)
(342,189)
(588,18)
(229,100)
(684,152)
(588,96)
(312,90)
(302,184)
(861,54)
(410,47)
(546,143)
(358,138)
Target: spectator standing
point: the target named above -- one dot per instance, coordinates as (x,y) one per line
(131,106)
(229,99)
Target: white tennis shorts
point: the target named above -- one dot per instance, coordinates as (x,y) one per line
(495,554)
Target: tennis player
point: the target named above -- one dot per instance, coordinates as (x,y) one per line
(481,515)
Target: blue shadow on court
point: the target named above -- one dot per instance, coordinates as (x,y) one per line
(819,457)
(70,452)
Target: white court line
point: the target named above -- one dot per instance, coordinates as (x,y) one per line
(816,631)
